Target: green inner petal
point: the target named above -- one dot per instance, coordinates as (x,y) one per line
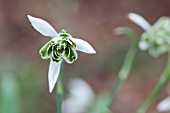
(49,51)
(73,44)
(71,56)
(56,60)
(54,56)
(65,38)
(56,50)
(61,50)
(64,35)
(67,52)
(43,51)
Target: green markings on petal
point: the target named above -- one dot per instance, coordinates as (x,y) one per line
(60,51)
(67,52)
(56,60)
(63,48)
(43,50)
(70,55)
(49,51)
(50,48)
(46,50)
(55,56)
(67,37)
(73,44)
(64,35)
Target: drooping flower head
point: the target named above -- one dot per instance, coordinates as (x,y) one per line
(156,38)
(61,47)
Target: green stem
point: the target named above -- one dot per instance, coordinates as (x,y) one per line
(165,77)
(127,64)
(123,74)
(60,90)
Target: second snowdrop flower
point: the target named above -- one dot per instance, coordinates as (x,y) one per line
(61,46)
(156,38)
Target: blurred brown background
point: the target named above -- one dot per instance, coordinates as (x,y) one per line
(93,21)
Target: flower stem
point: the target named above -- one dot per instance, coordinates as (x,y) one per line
(60,90)
(165,77)
(127,65)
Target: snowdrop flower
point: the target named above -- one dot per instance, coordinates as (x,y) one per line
(156,38)
(81,96)
(61,46)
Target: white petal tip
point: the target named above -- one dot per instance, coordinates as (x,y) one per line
(30,17)
(131,15)
(90,51)
(51,87)
(93,52)
(139,20)
(50,90)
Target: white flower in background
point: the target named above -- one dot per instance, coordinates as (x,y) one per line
(81,97)
(61,46)
(156,38)
(164,105)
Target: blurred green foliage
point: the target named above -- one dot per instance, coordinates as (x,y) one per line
(21,83)
(10,94)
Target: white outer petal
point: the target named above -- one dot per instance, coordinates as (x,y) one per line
(56,39)
(42,26)
(83,46)
(164,105)
(53,73)
(139,20)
